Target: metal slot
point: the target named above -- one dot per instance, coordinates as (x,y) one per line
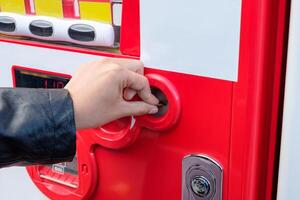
(202,178)
(163,101)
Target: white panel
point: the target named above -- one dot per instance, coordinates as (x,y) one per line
(14,182)
(194,37)
(289,169)
(117,14)
(15,185)
(40,58)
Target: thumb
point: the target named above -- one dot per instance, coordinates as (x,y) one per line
(137,108)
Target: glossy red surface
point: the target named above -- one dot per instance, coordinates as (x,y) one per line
(130,29)
(87,175)
(172,114)
(124,132)
(151,167)
(235,123)
(115,135)
(68,9)
(257,100)
(27,7)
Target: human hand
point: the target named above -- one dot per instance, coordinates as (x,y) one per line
(101,92)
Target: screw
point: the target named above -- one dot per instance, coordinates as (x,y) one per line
(200,186)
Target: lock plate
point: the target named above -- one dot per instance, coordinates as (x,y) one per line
(201,178)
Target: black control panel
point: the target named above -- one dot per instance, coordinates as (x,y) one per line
(32,79)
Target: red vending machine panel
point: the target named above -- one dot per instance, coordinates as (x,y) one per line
(214,136)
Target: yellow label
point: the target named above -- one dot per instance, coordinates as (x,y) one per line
(15,6)
(97,11)
(51,8)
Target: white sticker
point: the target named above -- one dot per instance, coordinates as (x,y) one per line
(194,37)
(117,14)
(58,169)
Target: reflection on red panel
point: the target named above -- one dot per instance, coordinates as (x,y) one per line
(235,123)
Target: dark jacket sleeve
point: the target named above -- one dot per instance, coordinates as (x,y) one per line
(36,126)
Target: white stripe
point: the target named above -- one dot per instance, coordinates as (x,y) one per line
(58,181)
(76,8)
(32,8)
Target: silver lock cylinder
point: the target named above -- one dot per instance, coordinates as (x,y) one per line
(200,186)
(201,178)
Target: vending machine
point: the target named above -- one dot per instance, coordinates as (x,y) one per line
(216,66)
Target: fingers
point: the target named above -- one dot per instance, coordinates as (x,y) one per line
(141,85)
(137,108)
(133,65)
(129,94)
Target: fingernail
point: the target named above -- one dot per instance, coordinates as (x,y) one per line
(153,110)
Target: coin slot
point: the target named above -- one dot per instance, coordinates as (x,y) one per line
(169,107)
(163,102)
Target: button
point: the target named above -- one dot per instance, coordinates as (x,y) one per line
(7,24)
(82,32)
(41,28)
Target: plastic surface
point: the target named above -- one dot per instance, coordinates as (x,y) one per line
(130,37)
(116,135)
(181,36)
(51,8)
(257,100)
(124,132)
(97,11)
(87,175)
(233,123)
(16,6)
(100,34)
(171,116)
(70,9)
(97,14)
